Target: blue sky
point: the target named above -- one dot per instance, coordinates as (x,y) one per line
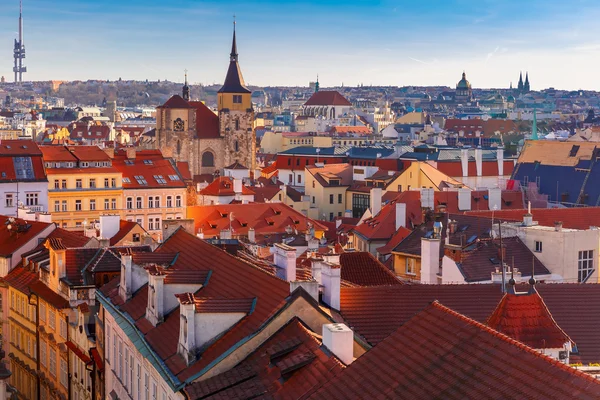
(289,42)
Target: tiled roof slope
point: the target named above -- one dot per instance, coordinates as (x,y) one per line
(571,218)
(231,278)
(327,98)
(441,354)
(526,318)
(375,312)
(207,122)
(149,168)
(361,268)
(288,365)
(223,186)
(10,241)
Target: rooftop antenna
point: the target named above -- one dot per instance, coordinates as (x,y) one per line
(502,259)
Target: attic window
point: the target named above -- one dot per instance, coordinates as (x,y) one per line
(334,182)
(472,239)
(148,162)
(141,180)
(174,177)
(4,174)
(464,228)
(160,179)
(494,261)
(128,162)
(126,180)
(574,150)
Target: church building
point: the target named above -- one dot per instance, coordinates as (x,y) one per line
(190,131)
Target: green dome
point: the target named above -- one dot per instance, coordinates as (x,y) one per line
(463,83)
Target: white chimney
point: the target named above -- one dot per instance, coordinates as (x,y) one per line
(311,287)
(427,198)
(187,327)
(479,161)
(155,308)
(331,281)
(339,339)
(225,234)
(285,258)
(500,159)
(495,198)
(375,199)
(464,161)
(400,215)
(109,225)
(430,259)
(316,270)
(237,186)
(126,278)
(251,235)
(44,217)
(464,199)
(200,234)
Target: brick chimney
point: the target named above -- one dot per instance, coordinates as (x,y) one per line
(285,258)
(339,339)
(131,153)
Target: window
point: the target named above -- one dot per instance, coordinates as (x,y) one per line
(120,369)
(313,184)
(43,358)
(178,201)
(106,204)
(107,343)
(299,178)
(150,202)
(237,99)
(360,203)
(64,205)
(339,198)
(157,202)
(136,238)
(208,159)
(113,204)
(331,199)
(129,203)
(92,183)
(154,390)
(538,246)
(77,205)
(130,372)
(139,381)
(291,180)
(106,182)
(56,206)
(9,200)
(52,366)
(160,179)
(51,318)
(410,266)
(92,204)
(169,201)
(331,216)
(56,184)
(63,328)
(43,312)
(148,162)
(63,373)
(585,265)
(78,183)
(113,182)
(146,385)
(63,184)
(174,177)
(114,357)
(138,202)
(126,180)
(31,199)
(313,199)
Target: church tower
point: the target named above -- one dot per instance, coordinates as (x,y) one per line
(185,91)
(236,115)
(526,87)
(520,85)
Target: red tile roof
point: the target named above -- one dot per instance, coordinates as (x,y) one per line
(327,98)
(124,228)
(207,122)
(12,240)
(525,317)
(264,218)
(286,366)
(362,269)
(176,101)
(19,148)
(440,353)
(572,218)
(78,352)
(88,153)
(394,241)
(184,170)
(215,305)
(31,151)
(69,239)
(57,154)
(223,186)
(231,278)
(157,172)
(374,312)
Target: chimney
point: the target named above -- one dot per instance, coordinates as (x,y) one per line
(285,258)
(200,234)
(495,198)
(110,151)
(338,223)
(464,199)
(147,240)
(500,159)
(375,200)
(430,259)
(400,215)
(155,308)
(44,217)
(427,199)
(339,339)
(103,242)
(25,214)
(452,226)
(225,234)
(251,235)
(479,161)
(187,327)
(558,226)
(464,161)
(311,287)
(316,269)
(109,225)
(237,188)
(169,226)
(126,278)
(131,153)
(331,281)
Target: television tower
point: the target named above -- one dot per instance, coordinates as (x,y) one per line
(19,52)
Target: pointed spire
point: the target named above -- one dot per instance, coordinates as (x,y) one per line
(186,89)
(234,54)
(317,84)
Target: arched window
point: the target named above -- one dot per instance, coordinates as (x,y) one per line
(208,159)
(237,124)
(237,146)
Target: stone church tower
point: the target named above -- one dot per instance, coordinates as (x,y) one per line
(190,131)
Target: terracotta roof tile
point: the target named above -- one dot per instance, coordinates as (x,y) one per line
(362,269)
(571,218)
(12,240)
(223,186)
(327,98)
(176,101)
(454,357)
(207,122)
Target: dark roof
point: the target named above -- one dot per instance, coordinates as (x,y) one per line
(374,312)
(234,81)
(441,354)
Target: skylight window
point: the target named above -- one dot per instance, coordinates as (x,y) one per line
(148,162)
(160,179)
(174,177)
(126,180)
(141,180)
(128,162)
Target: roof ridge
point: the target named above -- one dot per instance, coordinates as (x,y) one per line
(508,339)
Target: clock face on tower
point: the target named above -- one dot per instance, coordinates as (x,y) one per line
(178,124)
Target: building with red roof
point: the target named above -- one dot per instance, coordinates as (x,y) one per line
(22,177)
(225,190)
(440,353)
